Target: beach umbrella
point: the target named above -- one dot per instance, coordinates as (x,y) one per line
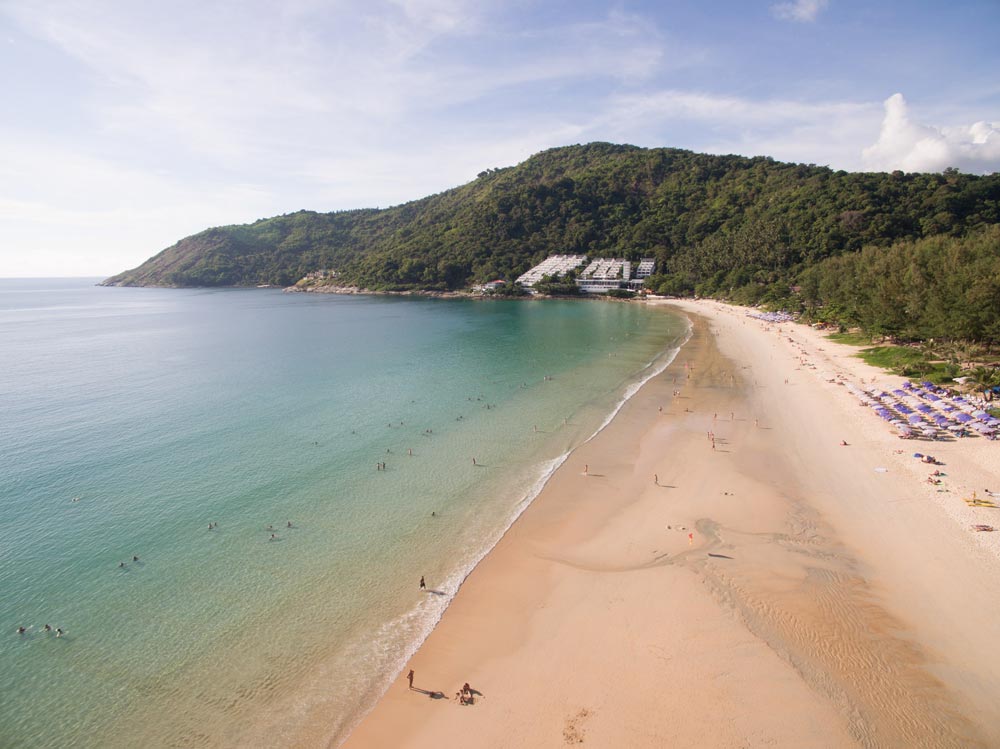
(915,418)
(924,408)
(964,418)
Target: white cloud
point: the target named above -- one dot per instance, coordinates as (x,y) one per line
(803,11)
(911,146)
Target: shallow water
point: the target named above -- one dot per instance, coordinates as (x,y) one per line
(133,418)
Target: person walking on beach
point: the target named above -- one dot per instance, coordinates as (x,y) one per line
(423,585)
(409,678)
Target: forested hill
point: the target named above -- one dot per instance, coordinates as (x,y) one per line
(714,223)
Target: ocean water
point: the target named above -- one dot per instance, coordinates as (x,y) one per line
(131,419)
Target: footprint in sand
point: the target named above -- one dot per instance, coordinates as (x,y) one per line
(573,732)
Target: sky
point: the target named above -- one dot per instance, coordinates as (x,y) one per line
(126,126)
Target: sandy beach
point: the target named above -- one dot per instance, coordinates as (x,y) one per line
(716,569)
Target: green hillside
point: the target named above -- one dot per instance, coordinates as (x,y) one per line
(746,228)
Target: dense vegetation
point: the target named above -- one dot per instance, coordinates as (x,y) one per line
(902,253)
(935,288)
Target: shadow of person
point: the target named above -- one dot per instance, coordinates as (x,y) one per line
(433,694)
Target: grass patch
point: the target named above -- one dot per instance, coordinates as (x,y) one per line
(907,362)
(851,339)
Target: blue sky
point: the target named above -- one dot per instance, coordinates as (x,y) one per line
(126,126)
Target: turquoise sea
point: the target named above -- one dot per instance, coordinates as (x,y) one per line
(132,419)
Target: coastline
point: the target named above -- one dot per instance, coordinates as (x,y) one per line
(778,585)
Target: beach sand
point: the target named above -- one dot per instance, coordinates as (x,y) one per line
(775,589)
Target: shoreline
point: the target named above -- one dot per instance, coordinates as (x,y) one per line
(550,625)
(654,368)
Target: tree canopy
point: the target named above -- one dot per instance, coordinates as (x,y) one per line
(751,229)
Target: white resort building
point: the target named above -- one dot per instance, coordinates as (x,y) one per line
(553,265)
(599,276)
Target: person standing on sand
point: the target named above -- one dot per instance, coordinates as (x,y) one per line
(423,585)
(409,678)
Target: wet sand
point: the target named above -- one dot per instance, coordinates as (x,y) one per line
(773,589)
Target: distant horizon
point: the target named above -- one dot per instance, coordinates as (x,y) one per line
(56,278)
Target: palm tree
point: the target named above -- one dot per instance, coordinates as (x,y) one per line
(985,377)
